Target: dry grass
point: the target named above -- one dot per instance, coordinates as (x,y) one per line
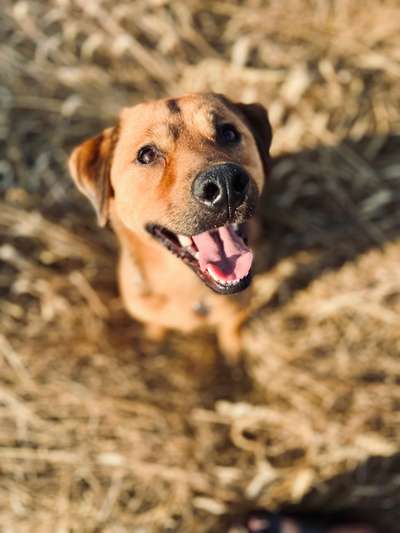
(103,431)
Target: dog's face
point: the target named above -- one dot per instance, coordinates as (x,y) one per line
(187,172)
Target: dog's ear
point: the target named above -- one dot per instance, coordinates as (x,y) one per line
(256,117)
(90,166)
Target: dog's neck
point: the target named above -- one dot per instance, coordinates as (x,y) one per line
(143,250)
(144,254)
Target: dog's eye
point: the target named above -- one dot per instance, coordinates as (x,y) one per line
(146,155)
(227,134)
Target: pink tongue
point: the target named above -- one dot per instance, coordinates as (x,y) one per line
(223,253)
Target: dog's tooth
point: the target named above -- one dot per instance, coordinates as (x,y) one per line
(212,274)
(235,227)
(184,241)
(226,283)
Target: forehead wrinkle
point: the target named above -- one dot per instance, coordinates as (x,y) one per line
(159,132)
(149,132)
(173,106)
(174,130)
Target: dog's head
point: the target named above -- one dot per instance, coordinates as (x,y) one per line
(187,172)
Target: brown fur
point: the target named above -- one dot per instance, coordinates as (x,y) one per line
(157,287)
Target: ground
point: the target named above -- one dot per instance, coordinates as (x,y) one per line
(103,430)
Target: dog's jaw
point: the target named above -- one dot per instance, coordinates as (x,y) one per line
(219,257)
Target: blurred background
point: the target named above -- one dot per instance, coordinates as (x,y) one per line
(102,430)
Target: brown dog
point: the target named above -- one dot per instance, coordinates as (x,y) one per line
(179,179)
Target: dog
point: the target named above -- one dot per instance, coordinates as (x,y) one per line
(179,180)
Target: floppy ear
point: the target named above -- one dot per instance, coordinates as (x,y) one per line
(256,117)
(90,166)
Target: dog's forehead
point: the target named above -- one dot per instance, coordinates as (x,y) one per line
(206,105)
(194,111)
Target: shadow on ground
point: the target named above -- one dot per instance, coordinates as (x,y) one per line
(334,502)
(332,203)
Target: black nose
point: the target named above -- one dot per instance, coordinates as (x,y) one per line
(221,186)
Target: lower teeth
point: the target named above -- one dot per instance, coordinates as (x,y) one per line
(222,282)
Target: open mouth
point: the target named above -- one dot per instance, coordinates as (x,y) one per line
(220,257)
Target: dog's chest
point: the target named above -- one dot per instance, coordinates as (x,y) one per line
(201,308)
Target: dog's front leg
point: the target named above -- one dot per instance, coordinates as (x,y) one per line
(155,332)
(229,337)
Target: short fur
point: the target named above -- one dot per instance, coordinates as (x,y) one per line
(157,287)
